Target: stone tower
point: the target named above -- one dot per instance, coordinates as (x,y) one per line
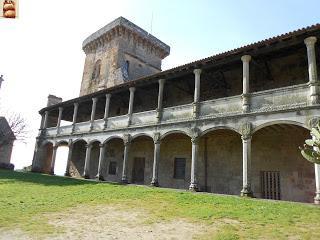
(120,52)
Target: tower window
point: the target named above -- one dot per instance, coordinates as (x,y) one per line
(125,71)
(96,70)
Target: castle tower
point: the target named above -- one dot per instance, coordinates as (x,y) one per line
(120,52)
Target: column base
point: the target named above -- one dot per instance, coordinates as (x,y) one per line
(154,183)
(193,187)
(101,178)
(246,193)
(124,181)
(86,176)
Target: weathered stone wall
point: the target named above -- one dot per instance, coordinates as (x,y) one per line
(5,152)
(277,150)
(78,159)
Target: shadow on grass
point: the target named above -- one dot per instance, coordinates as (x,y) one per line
(44,179)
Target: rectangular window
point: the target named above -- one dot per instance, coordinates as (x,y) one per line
(270,184)
(179,168)
(112,168)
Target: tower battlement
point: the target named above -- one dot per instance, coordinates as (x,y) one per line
(119,52)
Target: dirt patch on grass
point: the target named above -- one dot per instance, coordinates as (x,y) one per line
(106,222)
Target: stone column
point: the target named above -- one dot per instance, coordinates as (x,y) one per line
(45,121)
(156,159)
(59,119)
(93,112)
(126,142)
(194,162)
(86,173)
(101,162)
(75,114)
(53,159)
(130,110)
(317,180)
(160,99)
(312,69)
(245,81)
(70,146)
(246,160)
(196,100)
(106,110)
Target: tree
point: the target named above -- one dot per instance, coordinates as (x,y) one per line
(311,149)
(16,128)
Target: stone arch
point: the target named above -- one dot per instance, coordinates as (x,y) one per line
(140,135)
(94,140)
(46,142)
(276,159)
(173,132)
(111,138)
(79,140)
(62,143)
(204,132)
(288,122)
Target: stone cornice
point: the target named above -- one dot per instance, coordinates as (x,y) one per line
(125,28)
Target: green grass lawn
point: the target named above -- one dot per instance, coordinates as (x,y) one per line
(26,198)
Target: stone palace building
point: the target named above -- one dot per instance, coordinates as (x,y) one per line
(230,123)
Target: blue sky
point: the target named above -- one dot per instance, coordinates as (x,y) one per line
(40,53)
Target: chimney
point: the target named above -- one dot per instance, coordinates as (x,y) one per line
(52,100)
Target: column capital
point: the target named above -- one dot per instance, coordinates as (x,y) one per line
(132,89)
(195,139)
(156,138)
(55,146)
(102,145)
(70,143)
(76,104)
(94,99)
(60,109)
(246,58)
(126,139)
(197,71)
(108,95)
(88,145)
(310,41)
(246,130)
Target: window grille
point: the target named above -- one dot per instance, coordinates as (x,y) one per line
(270,184)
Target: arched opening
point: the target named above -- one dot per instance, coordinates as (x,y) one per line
(220,162)
(61,159)
(278,169)
(141,160)
(94,159)
(175,161)
(113,160)
(78,158)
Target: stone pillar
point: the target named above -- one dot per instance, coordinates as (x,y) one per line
(245,81)
(130,110)
(106,110)
(126,142)
(45,121)
(194,162)
(86,173)
(156,159)
(317,180)
(101,162)
(93,112)
(160,99)
(75,114)
(53,159)
(59,119)
(246,160)
(70,146)
(196,99)
(312,69)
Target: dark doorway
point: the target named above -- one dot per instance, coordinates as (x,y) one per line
(138,170)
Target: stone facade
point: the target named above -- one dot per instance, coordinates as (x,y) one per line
(228,124)
(6,143)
